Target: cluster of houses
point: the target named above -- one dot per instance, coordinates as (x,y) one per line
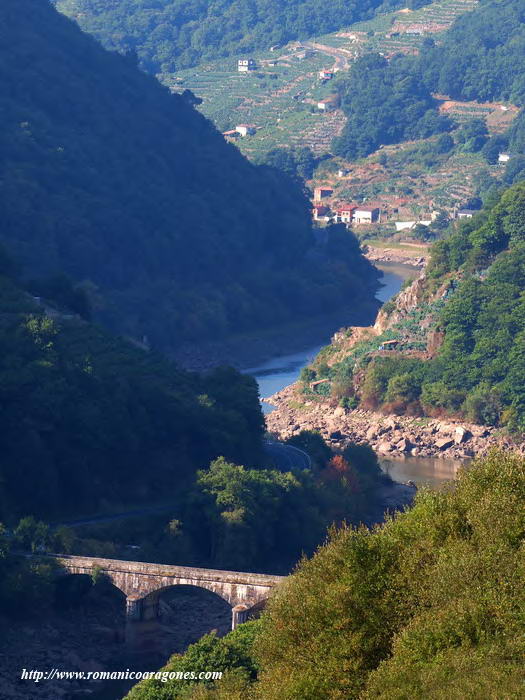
(344,213)
(246,65)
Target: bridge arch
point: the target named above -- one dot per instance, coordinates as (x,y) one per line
(140,581)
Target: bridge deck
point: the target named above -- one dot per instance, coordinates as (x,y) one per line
(167,570)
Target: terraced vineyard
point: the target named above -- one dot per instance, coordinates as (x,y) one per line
(280,98)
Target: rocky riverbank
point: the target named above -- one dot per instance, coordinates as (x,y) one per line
(253,349)
(415,258)
(388,435)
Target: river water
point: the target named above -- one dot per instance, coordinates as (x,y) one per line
(275,374)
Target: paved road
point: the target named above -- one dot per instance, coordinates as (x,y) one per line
(100,519)
(287,457)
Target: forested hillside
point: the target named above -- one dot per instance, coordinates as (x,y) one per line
(482,57)
(88,420)
(460,347)
(173,34)
(429,606)
(128,189)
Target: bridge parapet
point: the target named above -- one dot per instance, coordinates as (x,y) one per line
(138,580)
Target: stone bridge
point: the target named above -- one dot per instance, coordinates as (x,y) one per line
(142,584)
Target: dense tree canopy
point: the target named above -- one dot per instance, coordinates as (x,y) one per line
(385,103)
(482,57)
(428,606)
(171,34)
(109,178)
(88,419)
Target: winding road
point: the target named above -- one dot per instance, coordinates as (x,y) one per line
(284,457)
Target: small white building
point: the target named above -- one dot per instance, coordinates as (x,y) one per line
(366,215)
(466,213)
(246,129)
(504,157)
(327,105)
(245,65)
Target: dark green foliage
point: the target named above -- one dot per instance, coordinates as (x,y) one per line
(479,369)
(296,162)
(89,419)
(429,606)
(385,103)
(172,34)
(129,191)
(472,135)
(313,444)
(211,653)
(26,584)
(482,56)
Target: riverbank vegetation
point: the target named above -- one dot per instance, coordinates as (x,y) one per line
(426,606)
(472,300)
(233,517)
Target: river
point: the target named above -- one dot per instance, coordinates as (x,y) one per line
(275,374)
(279,372)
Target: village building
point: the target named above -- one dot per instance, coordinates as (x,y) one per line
(322,192)
(245,65)
(366,215)
(504,157)
(321,212)
(345,213)
(466,213)
(327,105)
(343,172)
(246,129)
(326,74)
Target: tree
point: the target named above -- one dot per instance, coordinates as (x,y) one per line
(32,535)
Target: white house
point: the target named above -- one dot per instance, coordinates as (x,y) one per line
(466,213)
(504,157)
(327,105)
(366,215)
(245,65)
(246,129)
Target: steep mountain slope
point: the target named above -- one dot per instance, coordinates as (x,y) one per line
(109,178)
(453,343)
(90,420)
(173,34)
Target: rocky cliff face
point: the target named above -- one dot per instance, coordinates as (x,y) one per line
(405,302)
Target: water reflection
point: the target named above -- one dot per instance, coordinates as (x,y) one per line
(428,471)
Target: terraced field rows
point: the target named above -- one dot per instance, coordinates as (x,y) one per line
(280,99)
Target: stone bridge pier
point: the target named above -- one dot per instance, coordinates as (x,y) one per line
(142,584)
